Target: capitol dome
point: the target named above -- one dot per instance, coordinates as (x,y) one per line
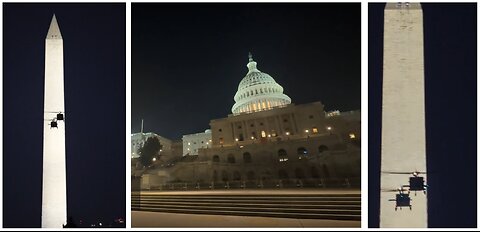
(258,91)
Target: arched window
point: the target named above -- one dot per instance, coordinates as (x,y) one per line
(282,174)
(251,175)
(224,175)
(302,153)
(247,158)
(231,158)
(299,173)
(216,159)
(282,155)
(322,148)
(314,172)
(237,176)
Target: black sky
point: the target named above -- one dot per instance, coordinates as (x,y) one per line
(450,40)
(188,59)
(94,50)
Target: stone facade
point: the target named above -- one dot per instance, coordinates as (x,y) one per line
(325,157)
(403,113)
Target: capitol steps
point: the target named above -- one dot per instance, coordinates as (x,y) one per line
(305,206)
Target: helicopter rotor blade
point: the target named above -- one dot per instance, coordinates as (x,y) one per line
(392,190)
(404,173)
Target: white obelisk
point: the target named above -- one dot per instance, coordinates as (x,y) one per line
(403,115)
(54,195)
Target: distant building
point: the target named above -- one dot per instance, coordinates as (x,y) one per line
(193,142)
(267,141)
(139,139)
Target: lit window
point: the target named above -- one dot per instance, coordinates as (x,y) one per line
(314,130)
(352,135)
(264,134)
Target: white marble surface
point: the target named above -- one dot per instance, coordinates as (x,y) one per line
(403,115)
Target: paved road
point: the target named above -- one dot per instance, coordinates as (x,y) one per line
(153,219)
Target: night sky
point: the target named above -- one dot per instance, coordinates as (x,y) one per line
(94,50)
(450,89)
(188,59)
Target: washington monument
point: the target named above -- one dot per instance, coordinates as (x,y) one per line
(403,116)
(54,194)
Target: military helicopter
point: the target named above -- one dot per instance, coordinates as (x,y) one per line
(416,182)
(54,123)
(402,199)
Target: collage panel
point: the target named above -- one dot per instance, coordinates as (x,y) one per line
(246,115)
(242,115)
(64,91)
(422,115)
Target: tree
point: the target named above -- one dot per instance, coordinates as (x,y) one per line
(149,150)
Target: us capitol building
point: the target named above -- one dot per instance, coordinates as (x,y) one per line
(267,142)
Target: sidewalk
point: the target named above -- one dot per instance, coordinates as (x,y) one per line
(155,219)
